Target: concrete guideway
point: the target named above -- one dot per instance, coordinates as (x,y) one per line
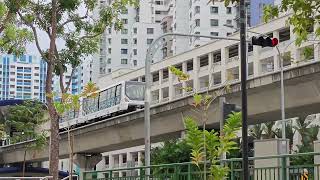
(302,89)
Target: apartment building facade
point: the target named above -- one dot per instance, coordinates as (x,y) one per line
(22,77)
(127,48)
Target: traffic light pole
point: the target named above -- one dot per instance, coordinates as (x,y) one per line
(244,105)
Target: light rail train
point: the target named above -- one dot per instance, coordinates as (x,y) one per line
(120,98)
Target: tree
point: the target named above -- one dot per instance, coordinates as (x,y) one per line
(172,151)
(65,20)
(308,135)
(22,120)
(305,15)
(215,144)
(71,103)
(12,38)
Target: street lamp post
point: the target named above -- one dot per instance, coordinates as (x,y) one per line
(155,45)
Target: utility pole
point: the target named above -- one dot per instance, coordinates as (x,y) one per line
(244,105)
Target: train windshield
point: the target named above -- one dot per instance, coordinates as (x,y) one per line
(135,90)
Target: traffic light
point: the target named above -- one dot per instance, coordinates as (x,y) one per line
(228,109)
(264,41)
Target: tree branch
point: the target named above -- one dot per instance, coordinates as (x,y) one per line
(35,34)
(5,21)
(75,19)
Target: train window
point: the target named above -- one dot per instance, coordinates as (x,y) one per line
(135,91)
(113,93)
(103,99)
(118,94)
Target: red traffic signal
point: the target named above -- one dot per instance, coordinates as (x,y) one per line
(264,41)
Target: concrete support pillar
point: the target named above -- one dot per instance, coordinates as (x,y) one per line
(171,88)
(160,76)
(210,69)
(196,84)
(120,160)
(86,162)
(111,161)
(184,83)
(160,95)
(270,147)
(140,163)
(223,64)
(316,145)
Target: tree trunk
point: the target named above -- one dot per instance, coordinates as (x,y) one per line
(54,128)
(24,163)
(71,140)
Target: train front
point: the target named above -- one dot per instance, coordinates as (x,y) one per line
(134,94)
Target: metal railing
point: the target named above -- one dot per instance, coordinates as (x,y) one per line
(280,167)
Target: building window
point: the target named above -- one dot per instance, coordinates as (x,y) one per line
(124,51)
(150,30)
(124,61)
(109,40)
(149,41)
(109,50)
(109,61)
(124,21)
(36,68)
(124,41)
(155,76)
(109,70)
(135,52)
(135,62)
(229,33)
(36,74)
(36,87)
(135,41)
(284,35)
(124,31)
(229,21)
(197,9)
(109,30)
(214,33)
(158,12)
(135,30)
(229,10)
(159,2)
(214,10)
(214,22)
(165,73)
(189,65)
(197,21)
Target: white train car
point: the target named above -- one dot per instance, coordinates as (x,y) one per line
(117,99)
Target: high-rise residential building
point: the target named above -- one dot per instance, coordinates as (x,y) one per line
(22,77)
(81,76)
(126,49)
